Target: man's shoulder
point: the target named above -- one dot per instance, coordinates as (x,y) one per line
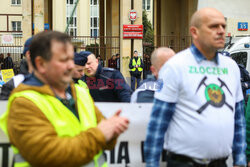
(181,56)
(107,69)
(224,60)
(179,60)
(107,73)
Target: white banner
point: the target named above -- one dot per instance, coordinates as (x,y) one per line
(129,148)
(7,39)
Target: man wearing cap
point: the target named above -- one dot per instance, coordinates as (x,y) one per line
(24,65)
(25,69)
(80,60)
(136,66)
(105,84)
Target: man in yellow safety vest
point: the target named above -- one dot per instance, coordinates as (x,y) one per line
(136,66)
(50,121)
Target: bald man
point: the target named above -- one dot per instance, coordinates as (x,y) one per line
(198,114)
(145,93)
(105,84)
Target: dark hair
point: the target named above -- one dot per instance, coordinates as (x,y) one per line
(41,44)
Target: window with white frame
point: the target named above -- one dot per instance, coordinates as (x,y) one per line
(94,26)
(15,2)
(93,2)
(72,28)
(146,4)
(94,18)
(16,26)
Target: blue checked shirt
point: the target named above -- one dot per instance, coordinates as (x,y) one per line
(160,119)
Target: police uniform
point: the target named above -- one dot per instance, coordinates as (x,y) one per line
(108,85)
(135,72)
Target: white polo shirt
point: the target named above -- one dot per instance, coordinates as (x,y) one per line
(205,94)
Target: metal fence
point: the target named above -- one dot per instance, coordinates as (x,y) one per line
(105,46)
(14,48)
(11,40)
(177,43)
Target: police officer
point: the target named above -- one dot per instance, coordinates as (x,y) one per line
(80,60)
(105,84)
(136,66)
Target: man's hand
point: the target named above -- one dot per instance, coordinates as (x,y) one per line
(113,126)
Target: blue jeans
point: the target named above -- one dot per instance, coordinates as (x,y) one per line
(133,82)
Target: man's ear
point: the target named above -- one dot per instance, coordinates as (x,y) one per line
(153,70)
(41,64)
(193,31)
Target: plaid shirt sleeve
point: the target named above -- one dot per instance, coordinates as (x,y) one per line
(239,142)
(160,118)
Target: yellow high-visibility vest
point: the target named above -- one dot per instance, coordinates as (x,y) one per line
(83,84)
(134,63)
(64,121)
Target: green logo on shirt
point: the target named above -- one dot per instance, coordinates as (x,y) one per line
(208,70)
(214,94)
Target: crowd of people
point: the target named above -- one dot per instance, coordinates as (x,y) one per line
(114,62)
(198,113)
(7,62)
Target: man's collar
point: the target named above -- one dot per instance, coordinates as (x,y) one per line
(99,70)
(199,57)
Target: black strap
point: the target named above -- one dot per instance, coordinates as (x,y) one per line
(186,159)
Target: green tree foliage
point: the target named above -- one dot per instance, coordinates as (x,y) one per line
(148,33)
(94,48)
(147,28)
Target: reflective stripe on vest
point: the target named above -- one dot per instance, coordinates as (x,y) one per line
(100,159)
(19,161)
(136,63)
(64,121)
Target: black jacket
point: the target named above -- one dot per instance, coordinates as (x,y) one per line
(8,63)
(108,85)
(245,80)
(135,73)
(24,69)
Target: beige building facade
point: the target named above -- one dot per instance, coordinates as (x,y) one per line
(102,22)
(235,12)
(8,10)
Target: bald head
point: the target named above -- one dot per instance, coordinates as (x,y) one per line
(208,29)
(198,17)
(92,57)
(159,57)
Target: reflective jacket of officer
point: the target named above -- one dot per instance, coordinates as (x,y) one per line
(136,72)
(108,85)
